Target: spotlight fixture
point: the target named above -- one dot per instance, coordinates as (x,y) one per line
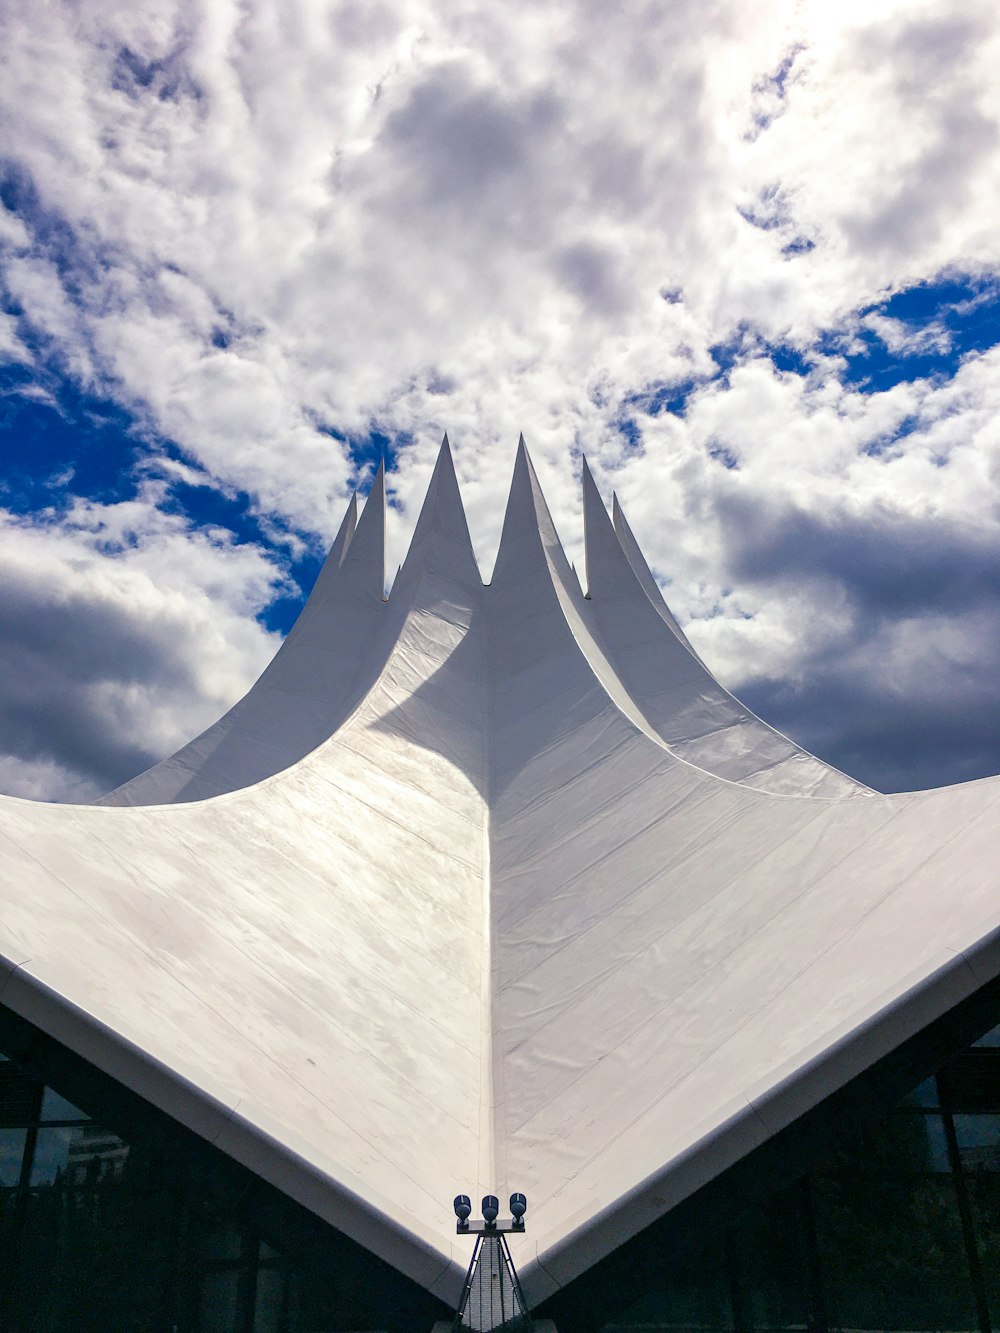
(491,1210)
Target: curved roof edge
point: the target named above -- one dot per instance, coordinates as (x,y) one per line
(755,1118)
(330,658)
(223,1124)
(343,636)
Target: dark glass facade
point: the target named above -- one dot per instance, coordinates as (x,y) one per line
(898,1229)
(101,1233)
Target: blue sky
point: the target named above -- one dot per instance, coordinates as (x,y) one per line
(749,268)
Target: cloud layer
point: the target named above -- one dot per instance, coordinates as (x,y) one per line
(275,236)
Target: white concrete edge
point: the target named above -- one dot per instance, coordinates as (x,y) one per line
(8,966)
(559,1261)
(226,1123)
(203,1111)
(954,978)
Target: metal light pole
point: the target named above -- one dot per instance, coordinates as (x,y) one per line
(492,1299)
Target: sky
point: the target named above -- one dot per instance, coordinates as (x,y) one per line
(743,255)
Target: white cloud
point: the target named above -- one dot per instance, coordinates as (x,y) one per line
(256,221)
(12,350)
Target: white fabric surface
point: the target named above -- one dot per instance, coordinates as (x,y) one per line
(492,889)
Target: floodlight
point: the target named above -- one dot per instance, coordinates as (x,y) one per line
(518,1206)
(491,1206)
(463,1207)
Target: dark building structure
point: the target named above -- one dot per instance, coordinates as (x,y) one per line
(895,1226)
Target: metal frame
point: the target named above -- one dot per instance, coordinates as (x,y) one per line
(492,1232)
(480,1228)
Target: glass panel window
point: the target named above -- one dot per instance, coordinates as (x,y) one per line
(18,1097)
(984,1199)
(673,1310)
(221,1242)
(685,1294)
(220,1302)
(52,1153)
(907,1143)
(936,1149)
(771,1264)
(81,1155)
(11,1153)
(55,1107)
(892,1254)
(972,1082)
(270,1294)
(978,1142)
(991,1038)
(925,1095)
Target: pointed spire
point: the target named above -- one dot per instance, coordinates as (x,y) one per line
(521,514)
(527,523)
(328,577)
(605,558)
(442,526)
(342,541)
(633,552)
(643,573)
(520,520)
(365,556)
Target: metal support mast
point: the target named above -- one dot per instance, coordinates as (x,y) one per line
(492,1300)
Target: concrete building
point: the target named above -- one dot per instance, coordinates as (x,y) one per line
(488,888)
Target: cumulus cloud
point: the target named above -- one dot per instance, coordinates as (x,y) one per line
(269,230)
(869,575)
(122,633)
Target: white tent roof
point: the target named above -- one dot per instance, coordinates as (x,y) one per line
(493,888)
